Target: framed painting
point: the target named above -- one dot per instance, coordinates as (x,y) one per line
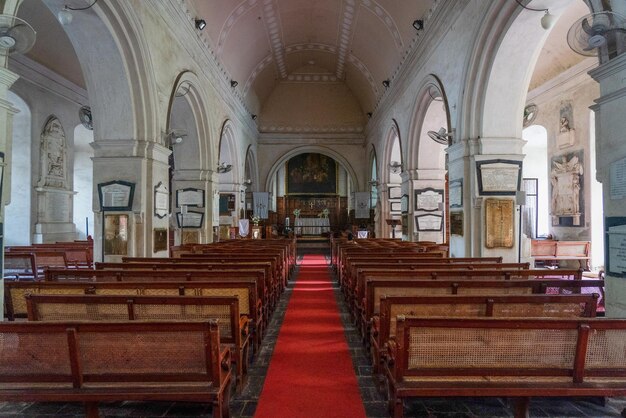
(159,239)
(116,233)
(312,174)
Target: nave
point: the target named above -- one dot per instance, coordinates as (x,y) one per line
(256,397)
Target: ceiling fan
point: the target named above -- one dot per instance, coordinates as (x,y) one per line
(86,118)
(175,136)
(441,136)
(595,30)
(16,35)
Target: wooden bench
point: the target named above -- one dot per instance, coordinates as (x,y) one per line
(377,288)
(554,251)
(511,306)
(95,362)
(16,307)
(20,266)
(234,330)
(495,357)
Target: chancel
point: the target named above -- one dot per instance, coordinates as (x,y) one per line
(292,208)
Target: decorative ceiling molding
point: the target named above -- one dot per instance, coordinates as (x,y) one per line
(310,128)
(346,29)
(380,12)
(313,78)
(310,46)
(365,71)
(239,11)
(257,70)
(274,32)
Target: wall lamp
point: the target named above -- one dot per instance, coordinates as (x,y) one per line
(547,21)
(65,16)
(200,24)
(418,24)
(386,83)
(233,83)
(253,117)
(369,115)
(395,167)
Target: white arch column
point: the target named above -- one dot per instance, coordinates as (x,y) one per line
(611,156)
(145,164)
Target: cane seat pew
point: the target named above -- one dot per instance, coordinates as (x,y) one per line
(383,326)
(93,362)
(496,357)
(233,327)
(16,306)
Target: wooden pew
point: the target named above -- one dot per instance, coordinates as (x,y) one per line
(495,357)
(383,326)
(377,288)
(20,266)
(95,362)
(16,307)
(233,327)
(554,251)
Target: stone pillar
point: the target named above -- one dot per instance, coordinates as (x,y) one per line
(7,78)
(196,182)
(145,164)
(610,157)
(459,179)
(490,171)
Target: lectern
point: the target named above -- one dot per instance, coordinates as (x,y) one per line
(393,223)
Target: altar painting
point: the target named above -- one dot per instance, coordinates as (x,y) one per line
(311,173)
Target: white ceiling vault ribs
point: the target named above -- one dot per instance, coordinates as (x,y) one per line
(257,70)
(346,29)
(275,34)
(386,19)
(358,64)
(237,12)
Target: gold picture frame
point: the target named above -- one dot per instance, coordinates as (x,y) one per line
(159,236)
(116,233)
(499,223)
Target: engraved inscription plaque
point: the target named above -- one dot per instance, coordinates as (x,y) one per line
(617,181)
(499,223)
(429,222)
(190,197)
(498,177)
(116,195)
(617,250)
(428,199)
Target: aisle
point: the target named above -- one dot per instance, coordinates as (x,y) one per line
(311,372)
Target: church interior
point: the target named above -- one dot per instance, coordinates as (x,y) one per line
(294,208)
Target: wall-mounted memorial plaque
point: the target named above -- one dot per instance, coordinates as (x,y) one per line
(116,233)
(161,200)
(190,237)
(617,179)
(615,244)
(499,223)
(159,238)
(404,202)
(190,197)
(498,177)
(456,223)
(116,195)
(395,192)
(428,199)
(190,219)
(429,222)
(396,206)
(455,193)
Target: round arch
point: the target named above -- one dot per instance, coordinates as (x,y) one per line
(229,153)
(311,148)
(196,145)
(430,90)
(251,168)
(499,71)
(392,152)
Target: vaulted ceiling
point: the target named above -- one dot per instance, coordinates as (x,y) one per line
(358,43)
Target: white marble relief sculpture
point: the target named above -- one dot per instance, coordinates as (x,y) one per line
(566,184)
(53,155)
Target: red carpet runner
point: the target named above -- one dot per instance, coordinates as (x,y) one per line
(311,373)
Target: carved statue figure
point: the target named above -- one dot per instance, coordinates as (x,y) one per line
(565,179)
(564,125)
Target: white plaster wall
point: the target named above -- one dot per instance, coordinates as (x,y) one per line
(536,166)
(17,226)
(83,182)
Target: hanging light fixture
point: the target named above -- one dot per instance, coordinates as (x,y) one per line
(547,21)
(65,15)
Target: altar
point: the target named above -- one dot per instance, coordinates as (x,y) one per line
(311,226)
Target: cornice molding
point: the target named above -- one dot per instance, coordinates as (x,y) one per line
(311,139)
(48,80)
(570,79)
